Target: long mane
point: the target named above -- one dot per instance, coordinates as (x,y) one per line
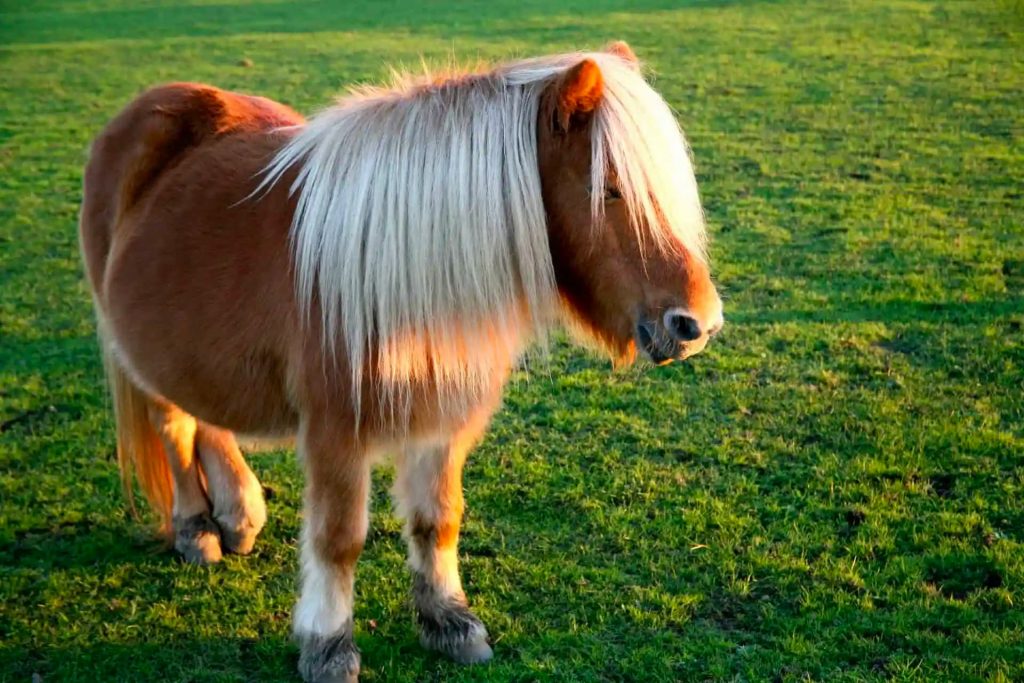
(420,230)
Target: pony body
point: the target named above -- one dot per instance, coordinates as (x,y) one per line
(367,280)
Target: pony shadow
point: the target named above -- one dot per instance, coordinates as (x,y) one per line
(270,657)
(83,543)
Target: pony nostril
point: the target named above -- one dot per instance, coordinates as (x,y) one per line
(683,327)
(645,334)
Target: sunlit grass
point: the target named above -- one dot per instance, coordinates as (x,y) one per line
(833,491)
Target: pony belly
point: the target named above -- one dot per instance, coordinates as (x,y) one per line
(238,390)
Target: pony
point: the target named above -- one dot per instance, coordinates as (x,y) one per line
(366,281)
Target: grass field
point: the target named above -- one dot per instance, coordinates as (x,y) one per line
(833,491)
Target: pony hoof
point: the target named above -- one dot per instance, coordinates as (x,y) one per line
(239,539)
(241,523)
(329,659)
(473,652)
(457,633)
(197,539)
(337,677)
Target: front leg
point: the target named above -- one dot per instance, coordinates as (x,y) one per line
(428,493)
(333,533)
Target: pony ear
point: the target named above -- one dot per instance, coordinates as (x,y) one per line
(579,91)
(623,51)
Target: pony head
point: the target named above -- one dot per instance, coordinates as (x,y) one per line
(443,221)
(625,224)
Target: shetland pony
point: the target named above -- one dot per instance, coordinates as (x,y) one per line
(367,280)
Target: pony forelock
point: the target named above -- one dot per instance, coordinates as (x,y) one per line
(420,229)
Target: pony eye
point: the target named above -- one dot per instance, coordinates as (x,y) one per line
(610,192)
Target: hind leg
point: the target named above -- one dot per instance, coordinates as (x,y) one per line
(196,535)
(236,494)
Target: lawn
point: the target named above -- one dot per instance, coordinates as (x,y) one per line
(833,491)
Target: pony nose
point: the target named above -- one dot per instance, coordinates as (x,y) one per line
(682,326)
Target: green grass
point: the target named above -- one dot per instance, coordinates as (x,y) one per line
(833,491)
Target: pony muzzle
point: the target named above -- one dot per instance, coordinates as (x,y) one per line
(677,335)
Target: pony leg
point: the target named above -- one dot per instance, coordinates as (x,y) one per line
(196,536)
(428,493)
(333,533)
(236,494)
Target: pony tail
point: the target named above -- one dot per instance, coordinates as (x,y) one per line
(139,448)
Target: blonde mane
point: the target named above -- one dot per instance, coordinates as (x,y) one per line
(420,229)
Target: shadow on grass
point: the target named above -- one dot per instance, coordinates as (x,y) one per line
(852,636)
(267,658)
(83,543)
(897,311)
(59,353)
(190,20)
